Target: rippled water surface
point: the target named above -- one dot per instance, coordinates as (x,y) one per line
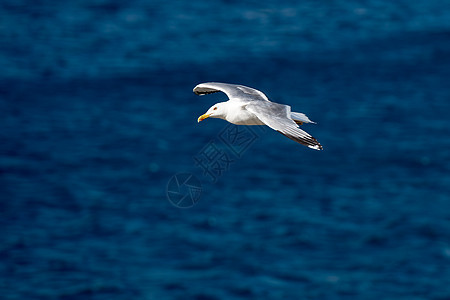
(98,115)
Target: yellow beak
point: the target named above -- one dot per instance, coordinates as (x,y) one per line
(202,117)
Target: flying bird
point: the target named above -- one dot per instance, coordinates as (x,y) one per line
(248,106)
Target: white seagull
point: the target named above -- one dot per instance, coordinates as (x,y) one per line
(247,106)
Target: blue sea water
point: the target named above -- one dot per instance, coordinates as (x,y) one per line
(97,115)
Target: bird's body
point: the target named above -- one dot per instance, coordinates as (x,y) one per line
(244,117)
(248,106)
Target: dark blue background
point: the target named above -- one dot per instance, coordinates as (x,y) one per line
(97,114)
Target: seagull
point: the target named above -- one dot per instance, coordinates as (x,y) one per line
(248,106)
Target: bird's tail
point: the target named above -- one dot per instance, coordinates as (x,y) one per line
(300,118)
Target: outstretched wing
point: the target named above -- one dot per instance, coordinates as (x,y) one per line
(233,91)
(277,117)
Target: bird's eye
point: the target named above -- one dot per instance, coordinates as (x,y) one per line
(214,108)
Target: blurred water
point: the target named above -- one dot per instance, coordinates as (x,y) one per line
(97,115)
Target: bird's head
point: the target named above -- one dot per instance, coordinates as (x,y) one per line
(218,110)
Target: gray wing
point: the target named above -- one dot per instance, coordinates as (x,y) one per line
(233,91)
(277,117)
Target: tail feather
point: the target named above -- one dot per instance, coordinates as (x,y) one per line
(300,118)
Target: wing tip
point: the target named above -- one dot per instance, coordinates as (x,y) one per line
(196,89)
(316,147)
(201,89)
(309,142)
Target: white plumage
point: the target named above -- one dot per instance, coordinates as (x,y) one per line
(247,106)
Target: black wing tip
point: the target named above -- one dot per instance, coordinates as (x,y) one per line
(201,93)
(317,145)
(202,90)
(309,142)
